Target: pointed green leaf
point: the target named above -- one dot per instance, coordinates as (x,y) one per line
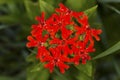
(85,71)
(91,11)
(109,51)
(93,17)
(45,7)
(85,68)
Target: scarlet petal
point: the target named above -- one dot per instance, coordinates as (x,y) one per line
(50,66)
(55,41)
(76,59)
(65,33)
(28,45)
(41,19)
(32,42)
(62,66)
(43,53)
(95,33)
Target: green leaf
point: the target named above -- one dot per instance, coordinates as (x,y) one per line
(106,1)
(37,67)
(85,71)
(36,70)
(9,19)
(45,7)
(39,74)
(54,2)
(113,8)
(85,68)
(9,1)
(31,57)
(91,11)
(93,17)
(13,8)
(80,5)
(6,78)
(117,67)
(32,9)
(109,51)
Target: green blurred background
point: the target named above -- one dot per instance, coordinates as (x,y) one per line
(17,16)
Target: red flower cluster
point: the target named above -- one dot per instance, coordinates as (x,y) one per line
(65,37)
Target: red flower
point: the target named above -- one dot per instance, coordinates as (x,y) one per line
(56,59)
(65,37)
(81,52)
(36,41)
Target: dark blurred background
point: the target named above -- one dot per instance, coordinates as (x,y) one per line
(16,19)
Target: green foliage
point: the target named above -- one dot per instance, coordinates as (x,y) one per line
(6,78)
(37,72)
(90,12)
(32,9)
(109,51)
(80,5)
(86,71)
(9,1)
(45,7)
(117,67)
(107,1)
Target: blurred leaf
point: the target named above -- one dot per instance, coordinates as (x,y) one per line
(36,70)
(7,78)
(37,67)
(3,26)
(9,1)
(86,71)
(109,51)
(80,5)
(59,76)
(116,1)
(45,7)
(117,67)
(32,9)
(12,19)
(85,68)
(113,8)
(54,2)
(9,19)
(13,8)
(37,75)
(31,57)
